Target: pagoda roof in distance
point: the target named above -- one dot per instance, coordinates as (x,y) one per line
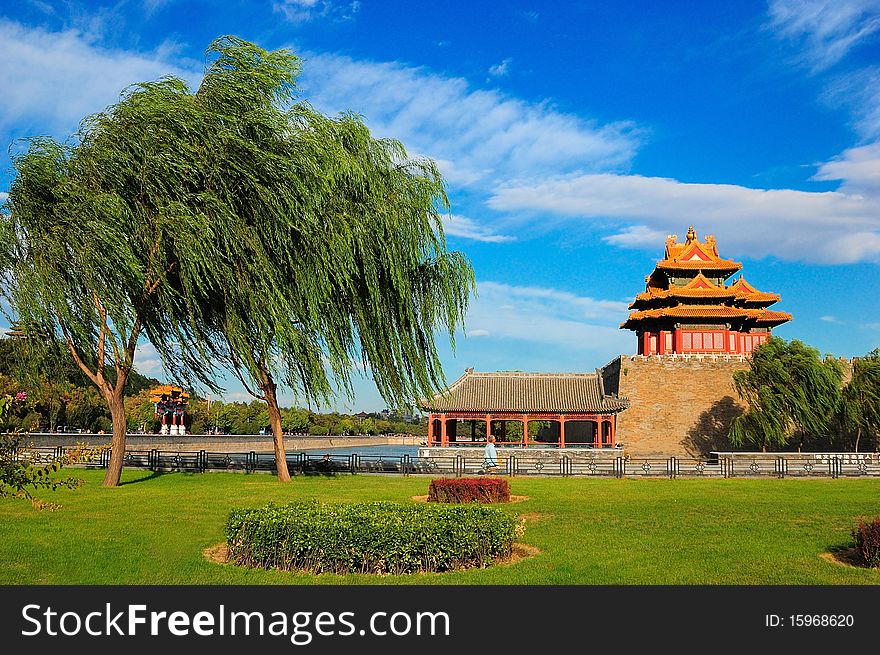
(169,390)
(695,255)
(699,287)
(523,393)
(702,311)
(745,291)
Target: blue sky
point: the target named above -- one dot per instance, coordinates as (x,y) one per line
(574,136)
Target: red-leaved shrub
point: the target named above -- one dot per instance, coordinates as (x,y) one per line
(469,490)
(867,538)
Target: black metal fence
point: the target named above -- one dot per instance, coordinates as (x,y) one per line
(757,465)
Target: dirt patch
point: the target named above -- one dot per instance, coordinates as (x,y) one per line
(513,499)
(520,552)
(218,553)
(844,557)
(531,517)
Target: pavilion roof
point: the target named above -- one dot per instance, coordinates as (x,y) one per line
(156,393)
(699,287)
(745,291)
(709,311)
(767,316)
(518,392)
(695,255)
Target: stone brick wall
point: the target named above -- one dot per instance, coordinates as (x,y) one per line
(680,404)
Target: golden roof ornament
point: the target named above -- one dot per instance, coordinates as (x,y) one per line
(691,235)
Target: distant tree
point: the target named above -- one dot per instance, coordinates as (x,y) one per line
(23,471)
(860,400)
(790,392)
(295,420)
(140,412)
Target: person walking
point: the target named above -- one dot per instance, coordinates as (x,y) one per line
(490,456)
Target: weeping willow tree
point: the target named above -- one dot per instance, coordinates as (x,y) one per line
(790,393)
(117,235)
(860,406)
(233,226)
(348,269)
(92,248)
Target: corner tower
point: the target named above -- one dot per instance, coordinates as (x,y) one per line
(687,307)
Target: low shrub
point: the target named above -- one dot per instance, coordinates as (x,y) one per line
(469,490)
(867,538)
(379,537)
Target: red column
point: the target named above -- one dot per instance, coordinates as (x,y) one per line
(488,426)
(562,432)
(661,342)
(525,430)
(614,431)
(430,429)
(646,343)
(597,442)
(444,438)
(676,340)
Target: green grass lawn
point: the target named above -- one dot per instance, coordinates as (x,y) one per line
(153,529)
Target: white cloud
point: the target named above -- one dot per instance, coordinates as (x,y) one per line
(636,236)
(548,316)
(829,319)
(829,227)
(147,361)
(301,11)
(531,16)
(3,197)
(502,69)
(298,11)
(152,6)
(52,80)
(858,168)
(466,228)
(535,161)
(826,29)
(859,93)
(236,397)
(477,136)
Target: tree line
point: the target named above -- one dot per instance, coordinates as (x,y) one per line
(63,399)
(797,400)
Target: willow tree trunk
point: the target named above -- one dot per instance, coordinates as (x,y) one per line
(116,403)
(277,436)
(858,436)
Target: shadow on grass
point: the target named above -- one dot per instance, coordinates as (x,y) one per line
(146,478)
(847,555)
(314,472)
